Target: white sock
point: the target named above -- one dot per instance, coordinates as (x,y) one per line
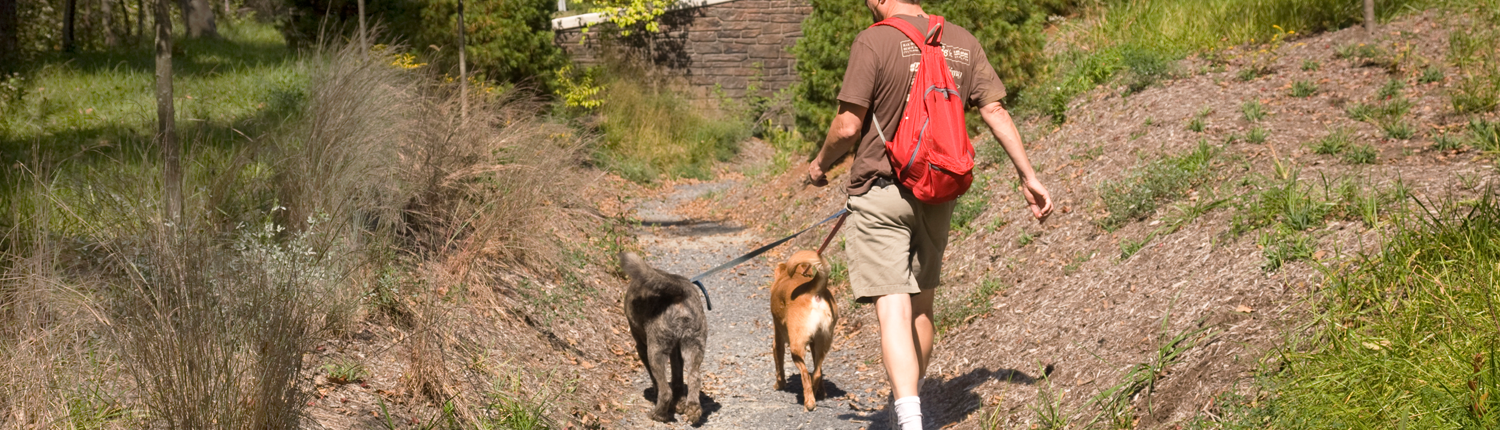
(909,413)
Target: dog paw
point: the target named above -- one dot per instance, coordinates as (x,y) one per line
(810,404)
(780,383)
(691,411)
(666,418)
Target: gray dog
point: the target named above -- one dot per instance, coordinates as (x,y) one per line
(666,318)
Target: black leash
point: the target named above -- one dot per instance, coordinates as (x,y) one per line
(698,280)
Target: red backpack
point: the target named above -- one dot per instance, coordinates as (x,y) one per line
(931,155)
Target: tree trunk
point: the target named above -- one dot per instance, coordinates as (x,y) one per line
(364,44)
(463,76)
(9,34)
(165,117)
(140,22)
(68,11)
(1370,17)
(107,11)
(199,18)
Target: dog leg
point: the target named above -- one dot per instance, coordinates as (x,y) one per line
(778,350)
(641,349)
(692,360)
(820,347)
(808,400)
(661,371)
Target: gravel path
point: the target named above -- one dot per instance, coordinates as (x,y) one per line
(738,374)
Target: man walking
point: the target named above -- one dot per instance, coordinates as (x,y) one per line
(895,242)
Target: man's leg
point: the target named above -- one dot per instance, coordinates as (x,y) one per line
(922,328)
(898,348)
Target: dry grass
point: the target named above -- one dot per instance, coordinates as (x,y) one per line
(111,318)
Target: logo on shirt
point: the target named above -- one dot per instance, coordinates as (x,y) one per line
(952,53)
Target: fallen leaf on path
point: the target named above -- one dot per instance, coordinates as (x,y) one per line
(1243,309)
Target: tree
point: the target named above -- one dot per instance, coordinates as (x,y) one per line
(463,72)
(199,18)
(166,125)
(1370,17)
(69,12)
(9,33)
(107,14)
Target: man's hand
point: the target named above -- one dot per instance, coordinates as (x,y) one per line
(815,175)
(1037,198)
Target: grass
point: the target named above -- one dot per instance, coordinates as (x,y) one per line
(1473,54)
(1116,403)
(1431,74)
(345,371)
(651,132)
(1406,335)
(953,312)
(1137,195)
(1311,65)
(1398,130)
(1253,111)
(1257,135)
(1304,89)
(1335,142)
(971,205)
(1484,135)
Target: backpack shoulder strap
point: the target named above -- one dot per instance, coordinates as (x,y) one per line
(933,36)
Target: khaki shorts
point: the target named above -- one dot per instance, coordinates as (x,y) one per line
(894,242)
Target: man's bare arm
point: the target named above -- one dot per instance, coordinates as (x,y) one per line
(1004,129)
(842,135)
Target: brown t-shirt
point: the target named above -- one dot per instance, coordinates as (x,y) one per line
(882,64)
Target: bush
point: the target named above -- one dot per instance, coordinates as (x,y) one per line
(507,41)
(650,132)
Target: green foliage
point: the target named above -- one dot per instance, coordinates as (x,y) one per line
(1311,65)
(1485,135)
(1391,89)
(1281,245)
(1146,68)
(971,204)
(1009,30)
(631,16)
(1136,196)
(1257,135)
(345,371)
(1399,130)
(1475,55)
(1431,74)
(577,88)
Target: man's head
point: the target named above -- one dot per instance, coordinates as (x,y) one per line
(882,9)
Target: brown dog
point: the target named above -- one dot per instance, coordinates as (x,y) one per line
(804,315)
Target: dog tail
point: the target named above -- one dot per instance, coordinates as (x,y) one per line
(656,282)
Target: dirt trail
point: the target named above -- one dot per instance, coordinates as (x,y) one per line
(738,373)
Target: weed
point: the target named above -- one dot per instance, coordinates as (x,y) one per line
(1398,130)
(1485,135)
(1136,196)
(1286,202)
(1361,154)
(1195,125)
(1391,89)
(1026,238)
(1146,67)
(1447,142)
(971,205)
(1281,246)
(1115,403)
(953,312)
(1310,65)
(1181,214)
(1049,409)
(1304,89)
(1253,110)
(1366,55)
(1335,142)
(1257,135)
(345,371)
(1431,74)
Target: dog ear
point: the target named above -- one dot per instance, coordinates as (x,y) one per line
(780,269)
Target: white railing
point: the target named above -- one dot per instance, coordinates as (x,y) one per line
(576,21)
